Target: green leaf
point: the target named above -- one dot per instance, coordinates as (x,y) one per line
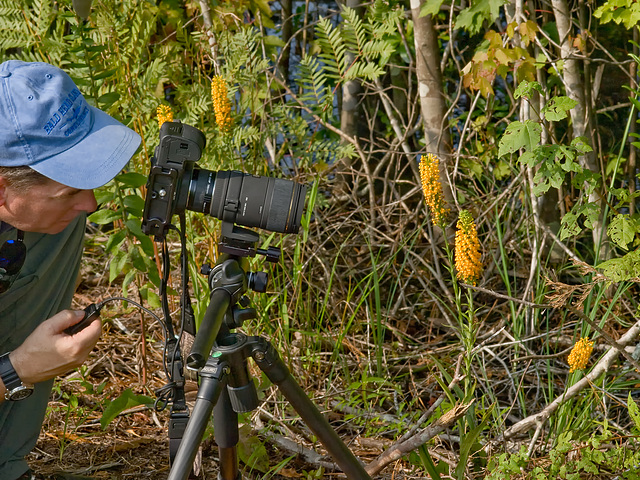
(126,400)
(133,224)
(430,7)
(273,41)
(428,464)
(502,170)
(469,444)
(128,278)
(634,411)
(556,108)
(519,135)
(104,216)
(623,268)
(569,226)
(626,12)
(526,88)
(529,159)
(253,453)
(109,98)
(132,179)
(473,17)
(134,204)
(138,258)
(104,195)
(150,297)
(105,74)
(115,240)
(117,264)
(581,144)
(622,230)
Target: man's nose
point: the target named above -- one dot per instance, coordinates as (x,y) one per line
(87,202)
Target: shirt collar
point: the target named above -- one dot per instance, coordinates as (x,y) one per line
(5,227)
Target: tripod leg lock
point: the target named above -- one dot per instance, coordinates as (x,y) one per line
(245,398)
(268,359)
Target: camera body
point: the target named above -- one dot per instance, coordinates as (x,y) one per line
(176,184)
(179,149)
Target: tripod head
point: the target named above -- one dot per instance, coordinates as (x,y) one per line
(241,242)
(229,281)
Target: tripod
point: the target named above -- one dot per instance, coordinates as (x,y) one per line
(220,355)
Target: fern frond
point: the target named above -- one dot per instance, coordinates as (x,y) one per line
(332,47)
(354,30)
(311,81)
(364,70)
(376,49)
(29,28)
(384,18)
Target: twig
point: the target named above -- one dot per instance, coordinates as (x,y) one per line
(559,242)
(543,357)
(308,455)
(506,297)
(213,44)
(398,450)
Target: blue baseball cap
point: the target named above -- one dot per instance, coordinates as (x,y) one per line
(49,126)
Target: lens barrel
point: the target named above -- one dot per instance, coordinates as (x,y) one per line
(273,204)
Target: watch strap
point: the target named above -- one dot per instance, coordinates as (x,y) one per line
(8,374)
(15,389)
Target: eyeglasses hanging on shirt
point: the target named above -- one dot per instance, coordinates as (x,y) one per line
(12,255)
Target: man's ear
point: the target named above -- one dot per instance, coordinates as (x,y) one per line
(3,190)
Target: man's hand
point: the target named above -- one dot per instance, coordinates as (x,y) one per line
(49,352)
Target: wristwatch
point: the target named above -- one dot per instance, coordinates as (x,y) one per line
(15,389)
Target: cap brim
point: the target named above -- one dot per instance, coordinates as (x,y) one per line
(97,158)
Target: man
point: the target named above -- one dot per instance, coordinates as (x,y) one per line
(54,150)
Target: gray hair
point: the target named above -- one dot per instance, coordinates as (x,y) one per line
(22,177)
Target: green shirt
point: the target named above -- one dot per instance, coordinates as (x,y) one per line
(45,287)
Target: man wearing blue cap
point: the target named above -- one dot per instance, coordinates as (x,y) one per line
(54,150)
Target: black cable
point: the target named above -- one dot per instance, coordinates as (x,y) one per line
(165,393)
(125,299)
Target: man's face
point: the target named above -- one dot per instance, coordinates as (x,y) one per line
(43,208)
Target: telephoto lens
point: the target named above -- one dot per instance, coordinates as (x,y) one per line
(273,204)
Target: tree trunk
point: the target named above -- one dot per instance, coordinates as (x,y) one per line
(432,99)
(581,114)
(286,9)
(350,113)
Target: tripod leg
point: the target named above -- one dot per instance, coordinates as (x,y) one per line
(225,427)
(212,383)
(270,363)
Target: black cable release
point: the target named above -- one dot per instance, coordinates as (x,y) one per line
(91,312)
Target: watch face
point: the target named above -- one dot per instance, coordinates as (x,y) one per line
(20,393)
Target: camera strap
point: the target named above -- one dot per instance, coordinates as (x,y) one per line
(173,392)
(179,416)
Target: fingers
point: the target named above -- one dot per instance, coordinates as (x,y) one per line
(65,319)
(49,352)
(91,313)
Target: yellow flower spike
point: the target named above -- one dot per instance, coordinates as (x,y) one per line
(432,189)
(221,103)
(580,354)
(165,114)
(467,250)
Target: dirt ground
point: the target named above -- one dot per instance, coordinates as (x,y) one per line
(135,444)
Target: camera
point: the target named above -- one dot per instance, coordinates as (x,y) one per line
(176,184)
